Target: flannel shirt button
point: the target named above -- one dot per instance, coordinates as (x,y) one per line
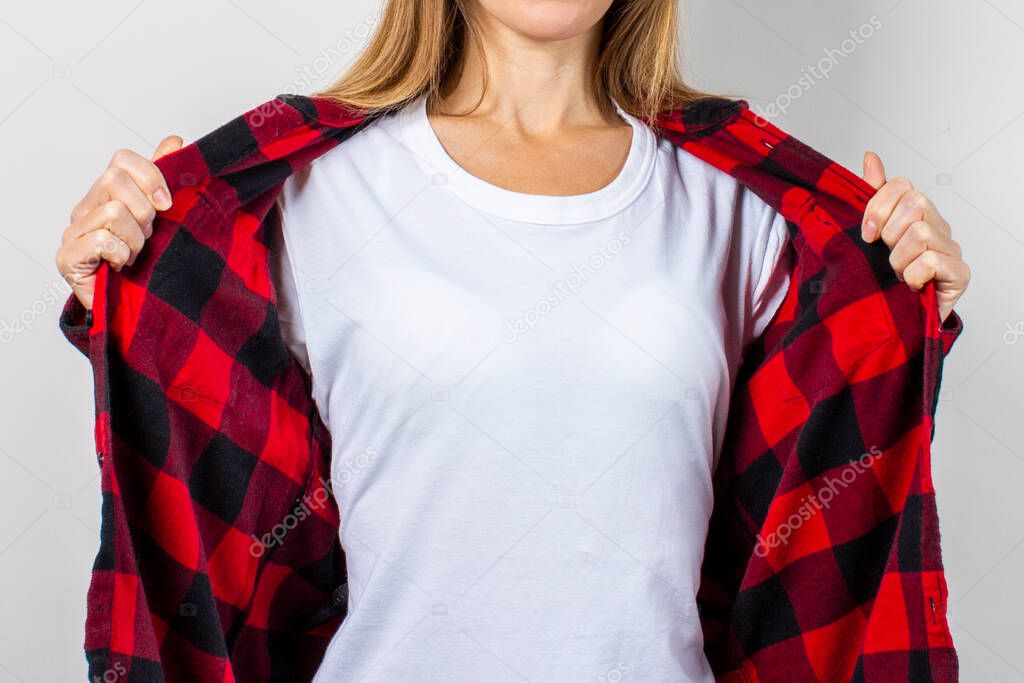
(99,457)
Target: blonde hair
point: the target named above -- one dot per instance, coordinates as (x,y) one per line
(418,48)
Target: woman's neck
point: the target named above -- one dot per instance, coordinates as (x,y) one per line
(536,86)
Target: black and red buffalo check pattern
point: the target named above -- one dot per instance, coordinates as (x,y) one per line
(822,563)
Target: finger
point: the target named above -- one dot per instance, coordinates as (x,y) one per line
(117,185)
(145,174)
(171,143)
(919,238)
(113,217)
(81,276)
(933,265)
(86,252)
(881,206)
(874,170)
(911,208)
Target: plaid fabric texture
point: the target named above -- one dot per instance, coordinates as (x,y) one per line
(822,563)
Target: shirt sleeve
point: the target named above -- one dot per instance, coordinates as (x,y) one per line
(288,313)
(772,262)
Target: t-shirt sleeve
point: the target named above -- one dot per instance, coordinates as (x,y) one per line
(772,263)
(288,313)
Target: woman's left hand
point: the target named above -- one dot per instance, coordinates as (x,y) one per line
(921,240)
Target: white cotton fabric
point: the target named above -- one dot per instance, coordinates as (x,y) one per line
(527,396)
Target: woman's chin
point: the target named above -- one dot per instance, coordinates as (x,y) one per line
(549,20)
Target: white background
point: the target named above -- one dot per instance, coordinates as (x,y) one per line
(936,90)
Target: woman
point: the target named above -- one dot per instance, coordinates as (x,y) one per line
(523,314)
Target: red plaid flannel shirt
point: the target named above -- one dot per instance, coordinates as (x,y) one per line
(822,562)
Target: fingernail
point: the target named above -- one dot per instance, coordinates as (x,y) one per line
(161,199)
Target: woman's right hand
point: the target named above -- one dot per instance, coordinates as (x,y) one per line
(114,219)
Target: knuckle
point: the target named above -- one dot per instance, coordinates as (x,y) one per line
(111,177)
(114,210)
(902,184)
(922,232)
(77,211)
(121,157)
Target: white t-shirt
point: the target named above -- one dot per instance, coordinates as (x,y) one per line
(527,396)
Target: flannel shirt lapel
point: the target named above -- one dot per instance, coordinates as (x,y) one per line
(219,557)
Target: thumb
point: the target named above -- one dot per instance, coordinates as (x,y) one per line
(874,170)
(171,143)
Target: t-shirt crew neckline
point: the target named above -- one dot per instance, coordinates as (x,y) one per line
(415,130)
